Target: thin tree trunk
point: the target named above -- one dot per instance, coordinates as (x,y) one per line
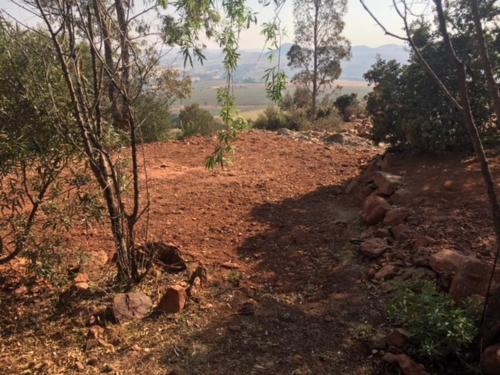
(315,60)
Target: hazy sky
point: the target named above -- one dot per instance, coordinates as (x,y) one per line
(360,29)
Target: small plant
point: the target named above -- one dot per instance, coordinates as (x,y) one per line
(437,325)
(234,278)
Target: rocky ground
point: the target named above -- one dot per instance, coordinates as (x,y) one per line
(297,247)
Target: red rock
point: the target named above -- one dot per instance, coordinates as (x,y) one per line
(374,209)
(402,197)
(82,281)
(446,261)
(386,272)
(131,306)
(374,247)
(407,365)
(396,216)
(387,183)
(401,232)
(490,360)
(173,301)
(472,278)
(21,291)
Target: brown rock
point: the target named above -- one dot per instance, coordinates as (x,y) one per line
(402,197)
(397,337)
(374,209)
(405,363)
(374,247)
(401,232)
(446,261)
(173,301)
(396,216)
(472,278)
(387,183)
(130,306)
(386,272)
(490,360)
(21,291)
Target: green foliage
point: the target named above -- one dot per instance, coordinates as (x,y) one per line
(273,119)
(238,18)
(154,118)
(438,326)
(407,108)
(197,121)
(345,105)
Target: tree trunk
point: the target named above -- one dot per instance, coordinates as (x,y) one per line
(315,59)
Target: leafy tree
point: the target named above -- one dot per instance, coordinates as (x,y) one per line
(197,121)
(33,148)
(408,111)
(319,45)
(153,106)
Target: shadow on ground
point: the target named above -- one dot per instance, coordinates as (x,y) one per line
(303,307)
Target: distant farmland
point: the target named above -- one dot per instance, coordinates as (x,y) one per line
(251,97)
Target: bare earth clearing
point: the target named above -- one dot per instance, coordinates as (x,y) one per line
(287,290)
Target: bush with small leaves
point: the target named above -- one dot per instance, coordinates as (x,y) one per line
(195,120)
(439,328)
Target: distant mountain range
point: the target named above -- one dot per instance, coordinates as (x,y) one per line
(253,63)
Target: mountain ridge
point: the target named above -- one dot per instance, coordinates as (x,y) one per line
(253,63)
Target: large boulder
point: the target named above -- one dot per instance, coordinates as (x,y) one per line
(471,279)
(490,360)
(131,306)
(375,209)
(446,261)
(387,183)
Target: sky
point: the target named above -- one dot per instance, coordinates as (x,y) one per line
(360,28)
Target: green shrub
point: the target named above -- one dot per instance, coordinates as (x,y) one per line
(154,118)
(437,325)
(347,105)
(273,119)
(409,111)
(197,121)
